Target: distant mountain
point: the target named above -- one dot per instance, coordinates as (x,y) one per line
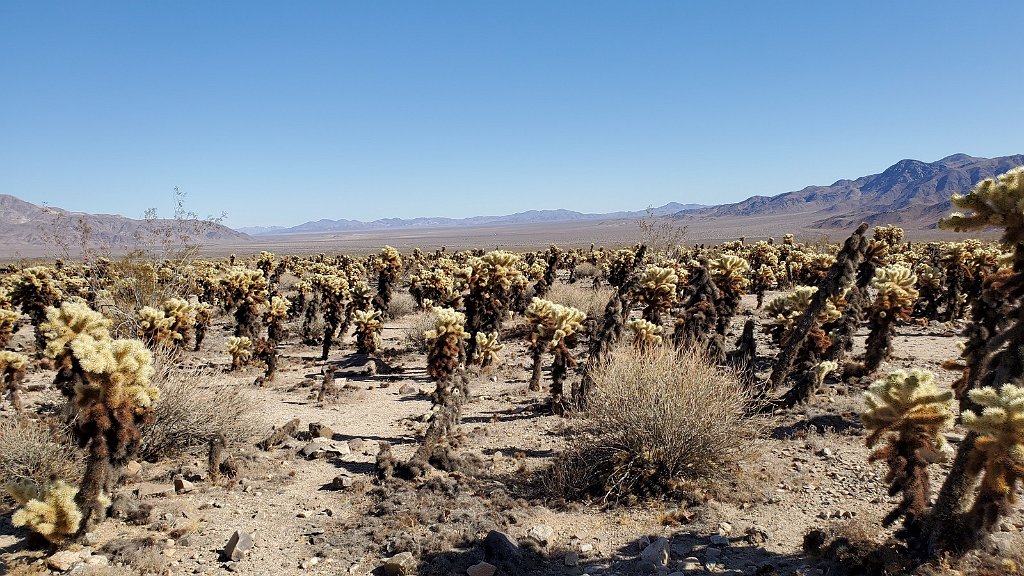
(528,217)
(25,224)
(909,192)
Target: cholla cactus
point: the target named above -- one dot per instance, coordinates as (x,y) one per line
(50,511)
(645,334)
(993,202)
(240,349)
(12,373)
(488,349)
(783,312)
(182,315)
(656,290)
(369,324)
(908,410)
(110,383)
(34,290)
(389,268)
(890,235)
(245,290)
(764,280)
(277,314)
(446,343)
(204,316)
(495,282)
(8,324)
(999,450)
(334,292)
(930,286)
(551,325)
(155,327)
(893,302)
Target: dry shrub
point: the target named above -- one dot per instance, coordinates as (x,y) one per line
(34,450)
(196,404)
(402,304)
(658,422)
(587,270)
(581,296)
(417,324)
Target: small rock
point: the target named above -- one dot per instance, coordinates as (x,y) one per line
(691,564)
(64,560)
(402,564)
(318,430)
(181,486)
(313,450)
(482,569)
(238,546)
(357,444)
(133,468)
(572,559)
(584,548)
(307,564)
(543,534)
(719,540)
(501,550)
(342,482)
(408,389)
(148,489)
(712,554)
(756,535)
(656,553)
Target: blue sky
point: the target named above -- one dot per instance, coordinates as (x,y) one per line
(279,113)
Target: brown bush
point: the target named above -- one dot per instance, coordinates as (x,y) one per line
(38,451)
(416,325)
(658,422)
(196,404)
(581,296)
(401,304)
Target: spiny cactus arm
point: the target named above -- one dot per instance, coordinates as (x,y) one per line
(992,202)
(51,512)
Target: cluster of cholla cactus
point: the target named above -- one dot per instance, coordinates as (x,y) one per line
(655,289)
(246,292)
(170,326)
(552,327)
(894,302)
(12,374)
(334,291)
(446,344)
(34,290)
(730,275)
(49,510)
(8,318)
(240,350)
(388,266)
(646,335)
(488,349)
(495,281)
(109,383)
(368,325)
(908,411)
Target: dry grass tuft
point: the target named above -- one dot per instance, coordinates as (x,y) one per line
(418,323)
(658,423)
(402,304)
(37,451)
(581,296)
(197,405)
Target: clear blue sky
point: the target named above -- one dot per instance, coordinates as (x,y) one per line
(283,112)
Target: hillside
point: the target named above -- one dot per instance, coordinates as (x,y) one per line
(23,224)
(911,193)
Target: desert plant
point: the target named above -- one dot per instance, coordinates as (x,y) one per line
(656,421)
(907,411)
(492,280)
(645,334)
(446,343)
(551,325)
(38,450)
(894,301)
(112,395)
(334,291)
(12,373)
(277,315)
(388,267)
(368,326)
(729,273)
(204,316)
(246,292)
(240,350)
(655,289)
(488,349)
(8,324)
(49,510)
(34,290)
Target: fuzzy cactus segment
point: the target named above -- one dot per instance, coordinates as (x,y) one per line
(903,400)
(645,334)
(999,450)
(240,349)
(50,511)
(993,202)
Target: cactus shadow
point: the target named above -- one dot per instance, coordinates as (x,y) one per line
(837,423)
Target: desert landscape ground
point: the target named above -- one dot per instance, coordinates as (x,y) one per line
(490,409)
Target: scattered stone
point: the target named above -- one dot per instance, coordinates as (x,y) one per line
(307,564)
(182,486)
(357,445)
(342,482)
(402,564)
(318,430)
(238,546)
(64,560)
(691,564)
(133,468)
(408,389)
(148,489)
(572,559)
(543,534)
(655,554)
(756,535)
(279,435)
(502,551)
(719,540)
(482,569)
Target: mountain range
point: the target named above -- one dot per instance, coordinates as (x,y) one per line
(528,217)
(911,193)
